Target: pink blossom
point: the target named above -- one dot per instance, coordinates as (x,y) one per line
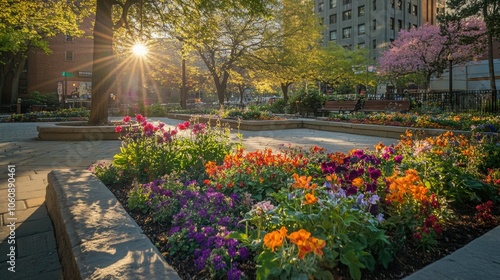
(140,118)
(118,129)
(126,119)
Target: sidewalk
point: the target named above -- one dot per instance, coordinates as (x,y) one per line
(34,234)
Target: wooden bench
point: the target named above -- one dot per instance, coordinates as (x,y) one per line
(385,106)
(339,106)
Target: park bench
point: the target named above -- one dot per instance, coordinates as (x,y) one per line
(339,106)
(385,106)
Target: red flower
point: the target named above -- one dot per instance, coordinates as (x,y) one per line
(126,119)
(140,118)
(118,129)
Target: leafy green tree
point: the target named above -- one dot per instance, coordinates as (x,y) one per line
(27,25)
(181,14)
(291,56)
(341,67)
(489,11)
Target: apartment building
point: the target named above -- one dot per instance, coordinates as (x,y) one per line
(373,24)
(67,69)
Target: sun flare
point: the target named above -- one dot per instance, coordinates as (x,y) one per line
(139,49)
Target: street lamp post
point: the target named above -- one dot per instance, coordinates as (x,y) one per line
(450,59)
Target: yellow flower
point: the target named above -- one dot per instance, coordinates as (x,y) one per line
(275,238)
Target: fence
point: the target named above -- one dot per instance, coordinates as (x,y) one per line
(458,101)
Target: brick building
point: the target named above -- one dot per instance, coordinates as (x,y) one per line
(67,70)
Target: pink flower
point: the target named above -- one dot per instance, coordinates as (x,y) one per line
(126,119)
(183,126)
(118,129)
(173,132)
(140,118)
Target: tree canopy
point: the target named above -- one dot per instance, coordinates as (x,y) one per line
(26,25)
(425,50)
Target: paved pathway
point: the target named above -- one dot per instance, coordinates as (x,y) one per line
(36,253)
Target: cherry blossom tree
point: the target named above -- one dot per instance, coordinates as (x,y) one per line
(424,50)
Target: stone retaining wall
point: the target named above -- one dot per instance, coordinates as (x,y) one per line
(96,238)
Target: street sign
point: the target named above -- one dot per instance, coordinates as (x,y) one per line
(67,74)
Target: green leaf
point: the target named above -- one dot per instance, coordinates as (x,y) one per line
(265,262)
(323,275)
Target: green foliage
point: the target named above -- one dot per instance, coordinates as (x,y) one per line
(156,110)
(59,115)
(50,99)
(306,102)
(151,151)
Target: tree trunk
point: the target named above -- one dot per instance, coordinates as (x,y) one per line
(183,84)
(15,79)
(241,90)
(102,70)
(491,66)
(284,89)
(221,85)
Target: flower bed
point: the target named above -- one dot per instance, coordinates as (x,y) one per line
(466,122)
(217,211)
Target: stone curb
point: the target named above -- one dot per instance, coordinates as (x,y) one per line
(61,132)
(96,238)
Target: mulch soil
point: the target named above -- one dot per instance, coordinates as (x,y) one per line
(456,234)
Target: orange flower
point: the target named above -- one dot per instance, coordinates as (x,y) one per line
(303,182)
(300,238)
(275,238)
(379,146)
(310,198)
(317,245)
(306,244)
(357,182)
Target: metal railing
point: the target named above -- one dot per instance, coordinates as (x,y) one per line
(459,101)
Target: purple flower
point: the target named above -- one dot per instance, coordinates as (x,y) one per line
(243,253)
(398,158)
(219,263)
(234,274)
(374,173)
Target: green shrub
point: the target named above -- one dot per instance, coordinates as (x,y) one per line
(156,110)
(306,102)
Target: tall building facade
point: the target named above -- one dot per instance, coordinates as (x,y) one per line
(373,24)
(67,69)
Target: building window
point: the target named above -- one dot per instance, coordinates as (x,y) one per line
(391,24)
(415,26)
(361,11)
(361,45)
(346,32)
(333,4)
(348,47)
(345,2)
(374,5)
(400,25)
(69,56)
(69,38)
(392,4)
(414,10)
(374,44)
(361,29)
(333,35)
(346,15)
(333,18)
(400,4)
(409,7)
(321,7)
(409,25)
(374,24)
